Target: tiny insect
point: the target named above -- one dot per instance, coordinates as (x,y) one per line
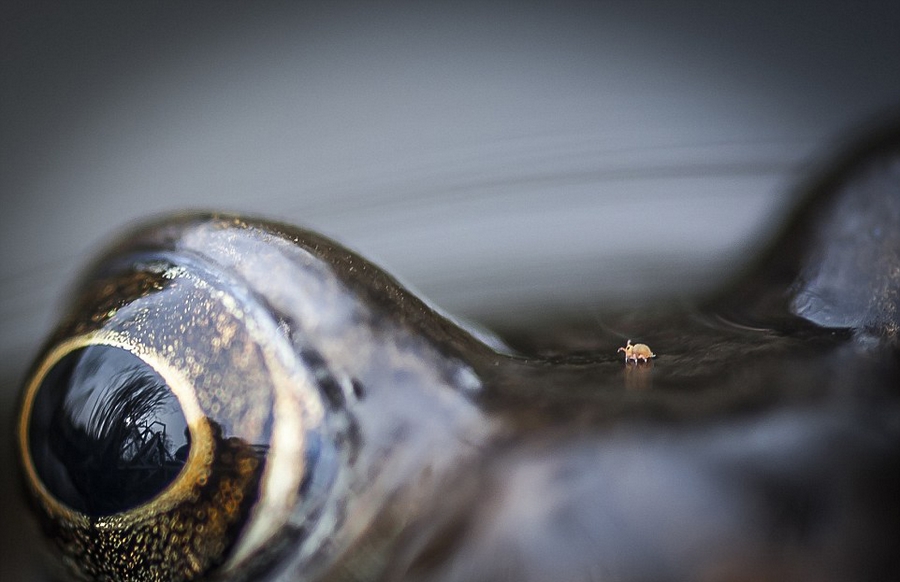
(637,352)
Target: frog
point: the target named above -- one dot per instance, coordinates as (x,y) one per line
(232,398)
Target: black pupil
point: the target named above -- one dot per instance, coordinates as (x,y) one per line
(107,434)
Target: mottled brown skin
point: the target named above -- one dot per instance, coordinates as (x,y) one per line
(764,443)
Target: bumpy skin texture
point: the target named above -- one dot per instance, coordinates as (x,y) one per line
(762,443)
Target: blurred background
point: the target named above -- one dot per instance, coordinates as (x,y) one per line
(506,159)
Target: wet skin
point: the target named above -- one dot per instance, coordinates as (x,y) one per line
(332,426)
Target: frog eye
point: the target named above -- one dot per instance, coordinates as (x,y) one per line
(227,399)
(167,430)
(107,433)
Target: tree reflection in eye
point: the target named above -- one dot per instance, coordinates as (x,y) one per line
(108,433)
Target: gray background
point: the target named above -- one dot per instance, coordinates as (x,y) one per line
(505,159)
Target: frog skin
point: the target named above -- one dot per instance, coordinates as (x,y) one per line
(338,428)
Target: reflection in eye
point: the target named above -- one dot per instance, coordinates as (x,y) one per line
(107,433)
